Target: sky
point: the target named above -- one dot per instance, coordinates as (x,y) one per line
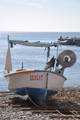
(40,15)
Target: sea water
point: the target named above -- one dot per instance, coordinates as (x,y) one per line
(35,58)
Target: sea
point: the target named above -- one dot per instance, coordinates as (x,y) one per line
(35,58)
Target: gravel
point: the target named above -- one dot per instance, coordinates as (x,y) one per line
(14,108)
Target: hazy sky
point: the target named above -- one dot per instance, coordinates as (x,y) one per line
(40,15)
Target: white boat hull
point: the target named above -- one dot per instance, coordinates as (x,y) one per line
(35,79)
(37,84)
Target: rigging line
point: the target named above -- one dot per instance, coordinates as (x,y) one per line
(32,100)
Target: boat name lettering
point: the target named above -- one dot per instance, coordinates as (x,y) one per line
(36,77)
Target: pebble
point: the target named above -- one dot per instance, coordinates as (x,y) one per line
(66,99)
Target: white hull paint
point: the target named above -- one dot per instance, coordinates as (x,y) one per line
(35,79)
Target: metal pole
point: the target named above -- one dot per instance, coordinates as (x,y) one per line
(48,53)
(56,57)
(57,52)
(46,86)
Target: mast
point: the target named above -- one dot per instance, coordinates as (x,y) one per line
(8,65)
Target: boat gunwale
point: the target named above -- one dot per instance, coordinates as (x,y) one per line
(32,71)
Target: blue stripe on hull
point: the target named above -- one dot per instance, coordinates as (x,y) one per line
(37,94)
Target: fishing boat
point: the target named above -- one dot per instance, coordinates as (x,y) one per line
(73,41)
(38,84)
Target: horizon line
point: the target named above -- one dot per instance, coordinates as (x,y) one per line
(40,31)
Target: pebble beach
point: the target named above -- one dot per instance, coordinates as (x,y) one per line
(61,107)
